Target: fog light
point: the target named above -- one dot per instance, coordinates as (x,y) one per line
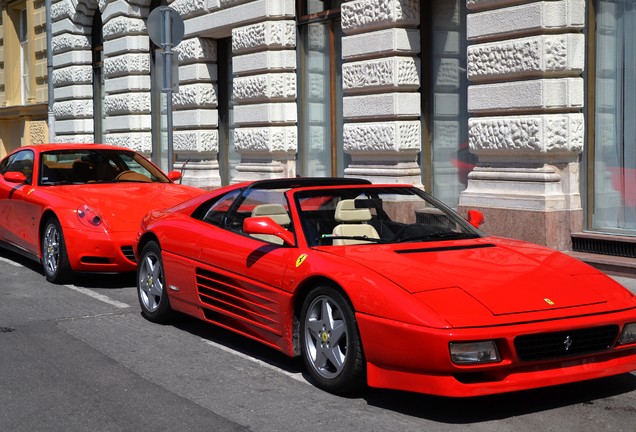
(474,352)
(628,336)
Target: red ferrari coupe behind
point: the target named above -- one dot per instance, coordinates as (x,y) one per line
(77,207)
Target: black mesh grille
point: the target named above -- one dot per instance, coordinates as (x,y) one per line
(128,253)
(543,346)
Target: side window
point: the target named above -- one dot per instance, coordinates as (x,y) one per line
(261,203)
(19,162)
(215,211)
(252,201)
(3,165)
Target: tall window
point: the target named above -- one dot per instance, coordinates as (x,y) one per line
(321,150)
(612,153)
(446,160)
(97,46)
(24,57)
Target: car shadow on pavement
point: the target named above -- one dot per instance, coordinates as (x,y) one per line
(22,260)
(497,407)
(106,280)
(84,280)
(238,343)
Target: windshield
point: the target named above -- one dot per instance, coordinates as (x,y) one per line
(97,166)
(366,215)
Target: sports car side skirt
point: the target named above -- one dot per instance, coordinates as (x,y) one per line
(17,250)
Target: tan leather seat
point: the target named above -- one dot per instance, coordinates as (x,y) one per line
(353,223)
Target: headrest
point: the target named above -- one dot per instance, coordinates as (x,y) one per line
(276,212)
(346,211)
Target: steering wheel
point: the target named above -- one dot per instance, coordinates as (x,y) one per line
(130,175)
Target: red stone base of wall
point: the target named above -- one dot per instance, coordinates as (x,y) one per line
(552,229)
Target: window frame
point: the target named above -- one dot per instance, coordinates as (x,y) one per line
(331,18)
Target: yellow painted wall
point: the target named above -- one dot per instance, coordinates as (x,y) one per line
(22,124)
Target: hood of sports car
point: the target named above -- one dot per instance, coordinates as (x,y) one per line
(123,205)
(485,282)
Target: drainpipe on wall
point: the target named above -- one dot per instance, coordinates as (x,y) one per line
(49,71)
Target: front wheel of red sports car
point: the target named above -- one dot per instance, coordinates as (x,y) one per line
(54,257)
(330,342)
(153,298)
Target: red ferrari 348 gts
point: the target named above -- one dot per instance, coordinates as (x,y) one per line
(77,207)
(383,285)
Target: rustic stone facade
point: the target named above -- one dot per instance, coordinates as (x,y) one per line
(525,62)
(527,96)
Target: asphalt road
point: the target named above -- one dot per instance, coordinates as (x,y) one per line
(81,358)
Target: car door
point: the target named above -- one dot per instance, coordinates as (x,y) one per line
(240,276)
(18,212)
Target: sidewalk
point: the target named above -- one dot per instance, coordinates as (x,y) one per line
(629,283)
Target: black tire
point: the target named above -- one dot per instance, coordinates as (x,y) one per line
(54,256)
(330,342)
(151,288)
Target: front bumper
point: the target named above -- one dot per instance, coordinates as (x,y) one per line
(412,358)
(99,251)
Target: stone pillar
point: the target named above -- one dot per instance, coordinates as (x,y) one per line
(264,97)
(126,71)
(525,63)
(195,118)
(72,74)
(381,78)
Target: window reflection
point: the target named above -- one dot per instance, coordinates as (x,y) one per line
(614,159)
(321,152)
(451,159)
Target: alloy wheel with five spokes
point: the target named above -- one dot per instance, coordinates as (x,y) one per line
(153,298)
(330,342)
(54,256)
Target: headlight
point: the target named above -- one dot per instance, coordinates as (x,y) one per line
(628,335)
(474,352)
(88,216)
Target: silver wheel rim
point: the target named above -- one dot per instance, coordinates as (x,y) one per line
(51,249)
(150,282)
(326,337)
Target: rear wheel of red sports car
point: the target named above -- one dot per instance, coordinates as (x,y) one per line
(153,298)
(330,342)
(54,257)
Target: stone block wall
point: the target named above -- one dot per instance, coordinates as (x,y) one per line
(72,75)
(381,78)
(264,96)
(126,101)
(263,50)
(526,98)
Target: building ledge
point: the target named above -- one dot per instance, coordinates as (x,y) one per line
(35,111)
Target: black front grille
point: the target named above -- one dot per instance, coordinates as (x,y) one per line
(128,253)
(543,346)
